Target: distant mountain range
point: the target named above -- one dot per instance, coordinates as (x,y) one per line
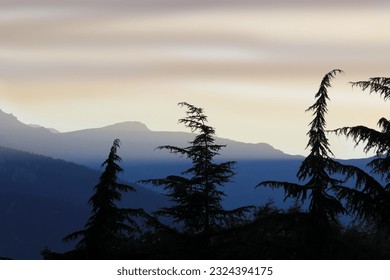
(255,162)
(89,147)
(43,196)
(138,142)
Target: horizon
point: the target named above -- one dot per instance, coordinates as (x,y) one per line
(146,126)
(253,66)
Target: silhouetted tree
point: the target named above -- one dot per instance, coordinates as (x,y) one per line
(370,199)
(318,166)
(195,195)
(109,229)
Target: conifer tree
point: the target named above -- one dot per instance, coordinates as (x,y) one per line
(370,199)
(196,195)
(379,141)
(109,228)
(318,167)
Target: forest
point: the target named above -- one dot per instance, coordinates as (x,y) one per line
(196,226)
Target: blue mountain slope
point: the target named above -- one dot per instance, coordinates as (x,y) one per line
(42,200)
(242,189)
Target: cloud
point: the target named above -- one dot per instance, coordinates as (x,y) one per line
(218,41)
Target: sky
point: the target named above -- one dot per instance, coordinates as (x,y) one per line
(254,66)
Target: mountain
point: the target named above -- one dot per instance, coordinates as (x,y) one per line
(53,130)
(141,160)
(138,142)
(255,162)
(43,199)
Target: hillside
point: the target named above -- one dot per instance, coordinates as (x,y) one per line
(43,199)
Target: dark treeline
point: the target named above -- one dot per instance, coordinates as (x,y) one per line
(196,226)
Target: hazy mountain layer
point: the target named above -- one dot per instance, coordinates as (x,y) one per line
(138,142)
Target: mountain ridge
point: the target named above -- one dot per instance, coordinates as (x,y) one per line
(138,142)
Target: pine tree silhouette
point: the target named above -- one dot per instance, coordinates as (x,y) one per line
(109,228)
(196,195)
(318,166)
(370,199)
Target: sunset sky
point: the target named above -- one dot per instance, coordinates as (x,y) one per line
(254,66)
